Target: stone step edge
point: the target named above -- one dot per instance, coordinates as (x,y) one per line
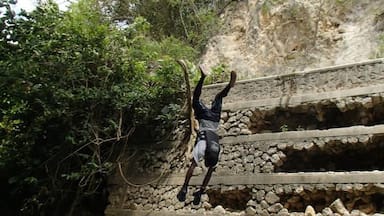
(277,178)
(297,99)
(301,73)
(121,212)
(295,135)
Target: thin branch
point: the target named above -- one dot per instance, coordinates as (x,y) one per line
(118,133)
(225,6)
(126,142)
(196,10)
(182,20)
(99,142)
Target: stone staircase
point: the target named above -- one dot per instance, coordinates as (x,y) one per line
(289,141)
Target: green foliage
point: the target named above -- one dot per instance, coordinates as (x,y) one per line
(342,1)
(341,7)
(284,128)
(294,8)
(193,21)
(218,74)
(268,4)
(72,85)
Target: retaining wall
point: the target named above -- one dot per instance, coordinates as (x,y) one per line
(269,172)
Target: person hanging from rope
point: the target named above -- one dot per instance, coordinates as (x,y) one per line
(207,142)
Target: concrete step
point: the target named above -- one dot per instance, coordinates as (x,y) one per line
(129,212)
(306,134)
(262,142)
(328,79)
(297,99)
(278,178)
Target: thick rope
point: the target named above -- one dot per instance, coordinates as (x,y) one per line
(138,185)
(187,107)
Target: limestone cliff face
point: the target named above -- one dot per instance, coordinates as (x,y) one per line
(265,37)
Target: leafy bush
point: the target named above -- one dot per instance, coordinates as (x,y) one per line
(217,74)
(73,86)
(193,22)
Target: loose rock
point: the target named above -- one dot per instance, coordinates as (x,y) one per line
(219,209)
(272,198)
(338,207)
(309,211)
(250,211)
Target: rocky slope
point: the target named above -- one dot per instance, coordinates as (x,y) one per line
(265,37)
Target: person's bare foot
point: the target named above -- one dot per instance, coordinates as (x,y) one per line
(233,79)
(202,71)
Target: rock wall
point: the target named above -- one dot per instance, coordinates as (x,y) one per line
(268,156)
(266,37)
(318,152)
(356,110)
(336,78)
(254,200)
